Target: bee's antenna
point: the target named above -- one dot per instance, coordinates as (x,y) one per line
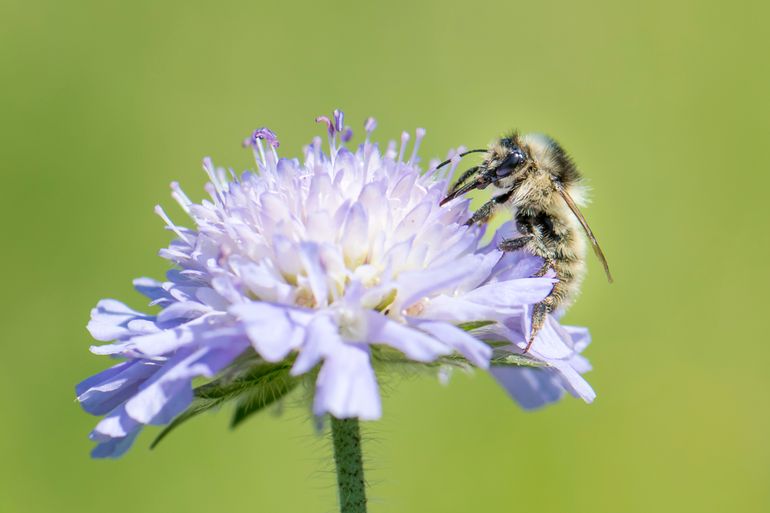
(447,161)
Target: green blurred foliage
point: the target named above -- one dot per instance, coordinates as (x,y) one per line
(664,105)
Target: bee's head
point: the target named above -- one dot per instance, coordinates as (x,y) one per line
(504,162)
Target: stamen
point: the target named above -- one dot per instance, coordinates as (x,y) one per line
(332,131)
(339,120)
(418,136)
(325,120)
(222,177)
(212,191)
(159,210)
(390,153)
(441,171)
(432,167)
(404,140)
(180,197)
(347,134)
(262,161)
(208,166)
(317,149)
(255,141)
(266,134)
(369,126)
(455,162)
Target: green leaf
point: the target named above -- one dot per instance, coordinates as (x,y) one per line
(263,382)
(494,344)
(469,326)
(197,407)
(253,375)
(515,360)
(262,396)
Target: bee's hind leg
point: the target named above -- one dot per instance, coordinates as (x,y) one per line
(539,313)
(547,264)
(541,310)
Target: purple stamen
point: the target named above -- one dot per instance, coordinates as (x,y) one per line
(370,125)
(339,120)
(347,134)
(327,122)
(266,134)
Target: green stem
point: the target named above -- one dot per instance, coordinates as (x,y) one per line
(350,465)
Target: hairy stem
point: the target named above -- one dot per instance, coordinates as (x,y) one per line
(350,467)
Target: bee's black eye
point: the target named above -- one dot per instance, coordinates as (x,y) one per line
(510,163)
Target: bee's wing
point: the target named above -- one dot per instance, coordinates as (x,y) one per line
(595,243)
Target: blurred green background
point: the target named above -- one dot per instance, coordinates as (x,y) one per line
(664,105)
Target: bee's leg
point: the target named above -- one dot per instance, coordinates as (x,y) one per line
(543,308)
(539,313)
(486,210)
(548,264)
(463,178)
(514,244)
(541,250)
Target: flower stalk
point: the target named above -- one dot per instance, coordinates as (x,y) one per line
(346,437)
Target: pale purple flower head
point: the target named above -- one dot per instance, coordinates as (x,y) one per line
(330,265)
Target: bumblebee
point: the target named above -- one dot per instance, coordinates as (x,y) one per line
(538,182)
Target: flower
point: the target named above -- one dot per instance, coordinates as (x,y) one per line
(325,265)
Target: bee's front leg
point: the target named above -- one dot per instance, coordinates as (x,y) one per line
(463,178)
(486,210)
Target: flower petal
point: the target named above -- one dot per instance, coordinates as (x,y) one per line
(311,261)
(179,312)
(574,382)
(116,447)
(415,285)
(580,335)
(109,320)
(355,235)
(152,289)
(477,352)
(321,339)
(457,310)
(169,391)
(553,342)
(522,291)
(530,387)
(270,328)
(100,394)
(118,424)
(346,386)
(413,343)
